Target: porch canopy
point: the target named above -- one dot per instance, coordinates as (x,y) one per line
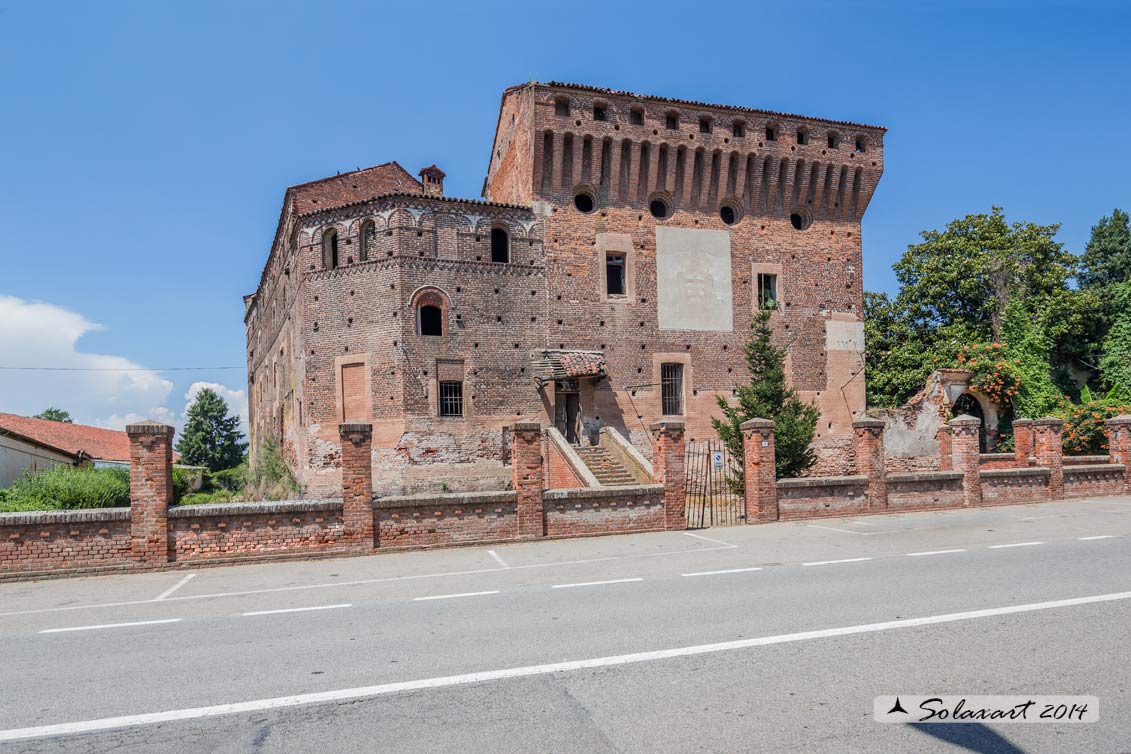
(558,364)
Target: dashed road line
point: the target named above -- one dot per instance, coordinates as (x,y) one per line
(1014,544)
(834,562)
(453,596)
(716,573)
(933,552)
(384,689)
(108,625)
(1098,536)
(174,588)
(296,609)
(594,583)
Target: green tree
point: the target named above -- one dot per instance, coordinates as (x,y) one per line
(212,436)
(55,415)
(767,396)
(955,286)
(1107,257)
(1115,365)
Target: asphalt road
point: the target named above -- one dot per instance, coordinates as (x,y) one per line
(745,639)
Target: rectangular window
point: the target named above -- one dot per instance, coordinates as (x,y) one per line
(671,121)
(561,107)
(598,112)
(614,275)
(671,389)
(739,130)
(767,291)
(704,125)
(451,399)
(636,117)
(771,134)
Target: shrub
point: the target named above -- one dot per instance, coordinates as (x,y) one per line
(269,478)
(995,376)
(67,487)
(1084,430)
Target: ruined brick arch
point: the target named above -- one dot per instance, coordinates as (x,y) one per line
(424,300)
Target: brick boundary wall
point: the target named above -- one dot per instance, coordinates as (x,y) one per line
(151,535)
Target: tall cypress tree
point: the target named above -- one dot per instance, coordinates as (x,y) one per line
(1107,257)
(212,436)
(767,396)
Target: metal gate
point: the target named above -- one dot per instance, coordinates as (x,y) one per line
(713,496)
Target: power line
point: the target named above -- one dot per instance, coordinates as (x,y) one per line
(114,369)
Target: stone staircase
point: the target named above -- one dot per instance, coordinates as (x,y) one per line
(605,467)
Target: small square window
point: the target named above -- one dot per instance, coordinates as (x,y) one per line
(671,389)
(451,399)
(767,291)
(671,121)
(771,133)
(614,275)
(599,112)
(704,125)
(834,142)
(636,117)
(739,130)
(561,107)
(802,137)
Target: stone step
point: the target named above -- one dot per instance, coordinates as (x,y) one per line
(605,467)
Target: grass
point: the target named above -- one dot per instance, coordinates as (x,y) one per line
(68,488)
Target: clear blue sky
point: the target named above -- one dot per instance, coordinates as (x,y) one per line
(145,146)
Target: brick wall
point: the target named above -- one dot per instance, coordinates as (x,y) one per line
(244,530)
(55,541)
(446,519)
(1092,479)
(559,472)
(1005,486)
(612,510)
(822,497)
(924,490)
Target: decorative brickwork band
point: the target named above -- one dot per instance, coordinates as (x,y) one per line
(1049,452)
(966,456)
(526,475)
(759,471)
(1119,446)
(357,483)
(869,444)
(151,491)
(946,459)
(668,467)
(1022,442)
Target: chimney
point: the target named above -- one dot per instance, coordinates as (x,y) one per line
(432,179)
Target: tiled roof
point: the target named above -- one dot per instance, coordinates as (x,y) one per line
(354,186)
(423,198)
(694,103)
(560,364)
(102,444)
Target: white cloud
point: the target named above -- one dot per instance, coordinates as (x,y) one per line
(39,334)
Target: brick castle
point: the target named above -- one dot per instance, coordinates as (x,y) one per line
(606,279)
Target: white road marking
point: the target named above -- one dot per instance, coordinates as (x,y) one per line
(174,587)
(833,562)
(716,573)
(594,583)
(296,609)
(1100,536)
(833,528)
(498,560)
(716,541)
(863,523)
(932,552)
(452,596)
(108,625)
(364,692)
(1014,544)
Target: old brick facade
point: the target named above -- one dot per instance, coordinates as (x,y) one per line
(624,243)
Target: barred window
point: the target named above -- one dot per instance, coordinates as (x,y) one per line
(368,240)
(451,399)
(671,389)
(767,291)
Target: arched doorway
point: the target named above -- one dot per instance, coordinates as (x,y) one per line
(969,405)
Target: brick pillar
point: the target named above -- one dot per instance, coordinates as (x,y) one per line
(759,471)
(966,456)
(357,483)
(946,457)
(1049,452)
(526,474)
(869,444)
(151,490)
(1119,446)
(1022,442)
(668,462)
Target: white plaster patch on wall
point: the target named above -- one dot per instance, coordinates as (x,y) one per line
(693,279)
(844,336)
